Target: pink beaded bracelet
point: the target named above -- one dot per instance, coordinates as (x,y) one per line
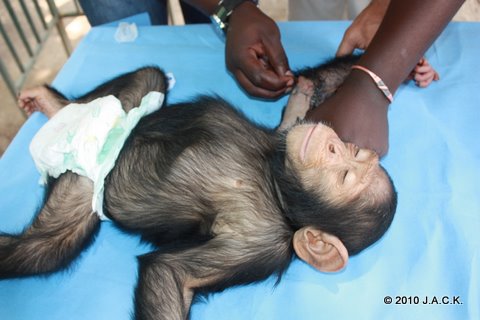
(378,81)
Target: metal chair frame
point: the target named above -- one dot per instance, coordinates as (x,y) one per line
(40,34)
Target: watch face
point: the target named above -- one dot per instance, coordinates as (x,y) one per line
(222,13)
(218,26)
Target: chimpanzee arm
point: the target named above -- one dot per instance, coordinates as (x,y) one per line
(167,281)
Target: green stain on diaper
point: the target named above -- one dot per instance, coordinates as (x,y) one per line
(68,159)
(110,144)
(70,136)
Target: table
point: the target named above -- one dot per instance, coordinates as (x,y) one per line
(432,250)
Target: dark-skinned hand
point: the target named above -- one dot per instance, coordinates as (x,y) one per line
(254,53)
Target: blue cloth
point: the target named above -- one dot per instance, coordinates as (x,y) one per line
(431,251)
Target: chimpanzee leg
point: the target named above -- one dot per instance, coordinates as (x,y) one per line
(62,229)
(43,98)
(129,88)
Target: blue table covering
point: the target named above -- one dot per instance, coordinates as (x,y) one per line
(430,252)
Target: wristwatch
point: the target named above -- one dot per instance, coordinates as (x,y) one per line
(222,13)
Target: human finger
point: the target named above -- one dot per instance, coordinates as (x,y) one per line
(256,90)
(347,45)
(276,56)
(257,68)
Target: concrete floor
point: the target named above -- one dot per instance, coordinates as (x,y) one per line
(48,64)
(53,56)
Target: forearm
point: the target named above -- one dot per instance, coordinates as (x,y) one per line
(358,112)
(406,32)
(379,6)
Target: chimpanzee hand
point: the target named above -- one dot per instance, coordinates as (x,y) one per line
(254,54)
(423,74)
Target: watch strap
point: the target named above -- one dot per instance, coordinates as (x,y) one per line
(223,11)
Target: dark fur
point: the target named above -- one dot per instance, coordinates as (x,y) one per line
(201,182)
(328,76)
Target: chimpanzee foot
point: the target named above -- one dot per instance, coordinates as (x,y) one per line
(39,99)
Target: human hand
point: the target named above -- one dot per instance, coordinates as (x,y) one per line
(423,74)
(360,33)
(254,53)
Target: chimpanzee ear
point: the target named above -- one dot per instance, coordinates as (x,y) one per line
(319,249)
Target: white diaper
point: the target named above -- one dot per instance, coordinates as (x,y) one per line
(87,138)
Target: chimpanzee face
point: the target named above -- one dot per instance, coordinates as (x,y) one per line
(326,164)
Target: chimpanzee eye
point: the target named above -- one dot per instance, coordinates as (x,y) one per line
(344,175)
